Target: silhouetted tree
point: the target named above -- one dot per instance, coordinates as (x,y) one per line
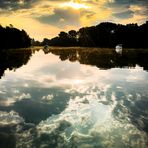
(63,39)
(11,37)
(73,37)
(105,35)
(45,42)
(72,34)
(85,38)
(63,35)
(36,43)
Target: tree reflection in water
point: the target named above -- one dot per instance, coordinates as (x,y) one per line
(104,58)
(13,59)
(96,113)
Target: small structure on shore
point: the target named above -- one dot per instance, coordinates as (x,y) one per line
(119,48)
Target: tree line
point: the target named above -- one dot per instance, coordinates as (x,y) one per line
(11,37)
(106,35)
(104,58)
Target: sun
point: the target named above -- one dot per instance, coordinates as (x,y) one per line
(75,5)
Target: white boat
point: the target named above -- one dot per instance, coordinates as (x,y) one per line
(118,48)
(46,49)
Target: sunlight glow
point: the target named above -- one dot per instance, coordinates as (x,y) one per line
(21,2)
(75,5)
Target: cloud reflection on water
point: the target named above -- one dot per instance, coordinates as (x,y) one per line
(74,105)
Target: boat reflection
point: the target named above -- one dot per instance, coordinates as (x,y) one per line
(105,58)
(102,58)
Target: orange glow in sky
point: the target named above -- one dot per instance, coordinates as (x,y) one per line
(46,18)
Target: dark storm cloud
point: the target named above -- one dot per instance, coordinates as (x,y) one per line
(123,8)
(128,2)
(124,15)
(61,18)
(15,4)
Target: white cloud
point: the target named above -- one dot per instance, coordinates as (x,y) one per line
(48,98)
(10,118)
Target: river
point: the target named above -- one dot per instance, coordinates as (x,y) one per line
(73,98)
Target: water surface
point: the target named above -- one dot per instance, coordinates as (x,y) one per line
(74,98)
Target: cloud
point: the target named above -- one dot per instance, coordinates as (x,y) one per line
(139,10)
(88,125)
(12,125)
(128,11)
(24,96)
(48,98)
(124,15)
(15,4)
(17,97)
(62,14)
(38,30)
(61,17)
(10,118)
(129,6)
(127,2)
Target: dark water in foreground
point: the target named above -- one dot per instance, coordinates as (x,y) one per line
(73,99)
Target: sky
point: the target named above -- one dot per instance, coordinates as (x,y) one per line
(46,18)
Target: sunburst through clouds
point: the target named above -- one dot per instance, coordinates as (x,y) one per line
(75,4)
